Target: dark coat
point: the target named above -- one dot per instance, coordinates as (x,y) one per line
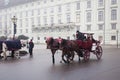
(80,36)
(31,45)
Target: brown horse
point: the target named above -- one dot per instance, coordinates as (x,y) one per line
(82,48)
(70,46)
(53,45)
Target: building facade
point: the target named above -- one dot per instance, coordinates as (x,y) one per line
(61,18)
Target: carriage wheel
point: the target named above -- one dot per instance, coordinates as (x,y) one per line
(86,55)
(99,52)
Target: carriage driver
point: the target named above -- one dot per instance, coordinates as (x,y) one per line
(79,36)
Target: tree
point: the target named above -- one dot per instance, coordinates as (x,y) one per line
(3,37)
(23,37)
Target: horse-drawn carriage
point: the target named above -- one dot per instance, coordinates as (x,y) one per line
(12,46)
(82,48)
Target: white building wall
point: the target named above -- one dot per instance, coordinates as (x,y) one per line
(20,12)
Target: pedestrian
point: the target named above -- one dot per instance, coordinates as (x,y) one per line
(31,46)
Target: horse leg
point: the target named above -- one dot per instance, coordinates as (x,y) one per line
(53,52)
(4,55)
(63,58)
(68,56)
(72,55)
(65,55)
(53,59)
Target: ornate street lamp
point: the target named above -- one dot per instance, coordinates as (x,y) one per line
(14,20)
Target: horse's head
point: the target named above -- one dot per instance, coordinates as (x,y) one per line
(49,42)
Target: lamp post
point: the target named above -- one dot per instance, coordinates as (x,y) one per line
(117,37)
(14,20)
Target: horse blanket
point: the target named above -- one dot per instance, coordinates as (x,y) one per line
(11,44)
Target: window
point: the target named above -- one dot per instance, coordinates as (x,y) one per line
(26,13)
(44,38)
(59,19)
(113,2)
(52,10)
(59,8)
(38,20)
(32,21)
(78,6)
(26,30)
(32,4)
(88,16)
(78,17)
(68,18)
(38,3)
(113,26)
(78,27)
(20,30)
(21,14)
(88,27)
(38,38)
(26,5)
(38,11)
(68,37)
(26,22)
(52,0)
(113,37)
(45,11)
(114,14)
(52,20)
(20,22)
(89,4)
(100,27)
(45,1)
(45,20)
(100,16)
(32,12)
(67,7)
(100,38)
(100,3)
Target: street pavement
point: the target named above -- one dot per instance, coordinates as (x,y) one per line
(40,67)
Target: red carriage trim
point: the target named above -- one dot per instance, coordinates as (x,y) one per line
(84,44)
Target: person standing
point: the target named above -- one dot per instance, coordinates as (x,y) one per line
(31,46)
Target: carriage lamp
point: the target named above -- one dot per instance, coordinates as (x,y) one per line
(14,20)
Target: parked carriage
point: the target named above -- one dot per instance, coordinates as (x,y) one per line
(12,46)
